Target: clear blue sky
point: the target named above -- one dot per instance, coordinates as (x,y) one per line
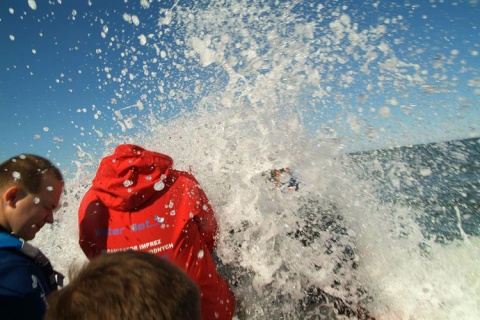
(61,75)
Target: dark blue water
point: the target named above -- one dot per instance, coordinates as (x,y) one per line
(442,180)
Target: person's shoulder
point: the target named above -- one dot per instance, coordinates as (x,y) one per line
(11,255)
(22,287)
(89,196)
(184,177)
(18,274)
(90,203)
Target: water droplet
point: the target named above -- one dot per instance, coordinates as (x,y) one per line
(127,183)
(16,175)
(36,200)
(205,208)
(148,178)
(163,177)
(159,186)
(172,213)
(32,4)
(200,254)
(191,215)
(170,204)
(50,188)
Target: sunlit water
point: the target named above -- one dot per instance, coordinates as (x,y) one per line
(231,90)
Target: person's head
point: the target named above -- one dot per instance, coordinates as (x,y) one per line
(30,189)
(274,174)
(127,285)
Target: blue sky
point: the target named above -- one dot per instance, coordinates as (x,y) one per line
(46,78)
(60,79)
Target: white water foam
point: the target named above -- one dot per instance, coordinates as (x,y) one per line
(228,151)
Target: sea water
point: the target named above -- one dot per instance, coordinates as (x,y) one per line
(439,185)
(233,89)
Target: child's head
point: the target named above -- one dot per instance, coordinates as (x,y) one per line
(126,285)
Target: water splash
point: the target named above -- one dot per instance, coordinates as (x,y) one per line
(231,90)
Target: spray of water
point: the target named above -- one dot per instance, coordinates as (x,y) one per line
(234,89)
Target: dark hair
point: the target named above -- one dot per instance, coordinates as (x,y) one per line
(127,285)
(27,171)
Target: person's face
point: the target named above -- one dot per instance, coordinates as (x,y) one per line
(29,212)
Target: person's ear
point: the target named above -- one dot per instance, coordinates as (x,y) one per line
(11,195)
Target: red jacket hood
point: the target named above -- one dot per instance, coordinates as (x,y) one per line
(129,177)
